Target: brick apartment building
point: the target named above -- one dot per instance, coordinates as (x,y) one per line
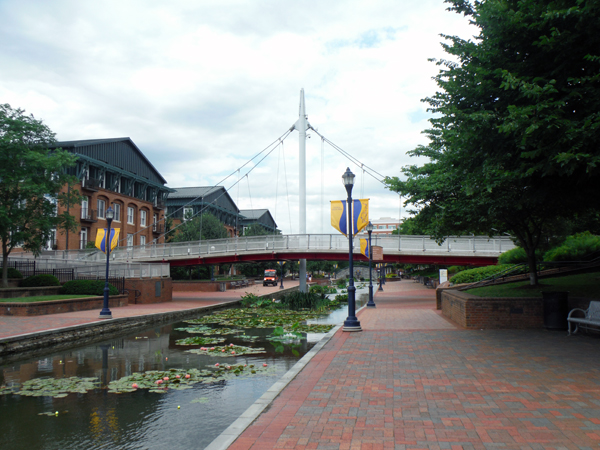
(114,173)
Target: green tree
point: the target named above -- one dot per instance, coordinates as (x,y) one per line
(203,227)
(515,140)
(31,178)
(255,229)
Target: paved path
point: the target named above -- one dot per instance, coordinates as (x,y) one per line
(14,325)
(412,380)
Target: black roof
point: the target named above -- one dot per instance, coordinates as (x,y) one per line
(113,151)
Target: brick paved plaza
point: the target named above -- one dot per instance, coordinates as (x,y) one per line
(412,380)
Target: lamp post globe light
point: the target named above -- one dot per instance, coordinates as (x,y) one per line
(105,313)
(370,303)
(351,323)
(281,265)
(380,278)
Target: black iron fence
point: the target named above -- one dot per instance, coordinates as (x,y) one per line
(28,269)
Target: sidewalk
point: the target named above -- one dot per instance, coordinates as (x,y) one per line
(17,325)
(413,380)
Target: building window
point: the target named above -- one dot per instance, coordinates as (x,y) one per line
(85,201)
(130,215)
(129,240)
(143,215)
(117,209)
(101,209)
(84,238)
(142,240)
(155,219)
(188,213)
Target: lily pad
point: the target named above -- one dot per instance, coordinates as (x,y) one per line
(194,330)
(226,350)
(199,340)
(57,387)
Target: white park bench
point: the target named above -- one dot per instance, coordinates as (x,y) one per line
(591,319)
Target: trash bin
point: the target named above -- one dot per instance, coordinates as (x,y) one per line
(556,310)
(222,286)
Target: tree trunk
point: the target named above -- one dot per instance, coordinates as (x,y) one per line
(4,267)
(532,262)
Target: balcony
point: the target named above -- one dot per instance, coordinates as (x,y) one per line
(158,229)
(160,204)
(88,215)
(90,184)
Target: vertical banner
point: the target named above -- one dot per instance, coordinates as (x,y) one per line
(364,247)
(101,239)
(339,215)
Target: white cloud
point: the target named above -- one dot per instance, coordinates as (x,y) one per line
(201,87)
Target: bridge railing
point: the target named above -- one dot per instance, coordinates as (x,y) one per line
(292,243)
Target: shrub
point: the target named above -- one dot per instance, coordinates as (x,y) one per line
(515,256)
(14,273)
(341,298)
(574,248)
(304,300)
(87,287)
(478,274)
(254,301)
(40,281)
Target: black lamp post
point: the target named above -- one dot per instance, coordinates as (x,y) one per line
(105,313)
(281,265)
(380,278)
(370,303)
(351,323)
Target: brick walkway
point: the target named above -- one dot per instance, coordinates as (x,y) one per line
(412,380)
(13,325)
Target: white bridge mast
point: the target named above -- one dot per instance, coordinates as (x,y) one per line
(301,125)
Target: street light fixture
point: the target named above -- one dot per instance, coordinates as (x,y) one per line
(370,303)
(351,323)
(380,278)
(281,266)
(105,313)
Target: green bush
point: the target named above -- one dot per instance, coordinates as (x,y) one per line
(322,289)
(13,273)
(341,298)
(304,300)
(575,248)
(515,256)
(87,287)
(40,281)
(478,274)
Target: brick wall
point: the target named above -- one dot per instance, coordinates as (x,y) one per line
(60,306)
(473,312)
(110,198)
(149,290)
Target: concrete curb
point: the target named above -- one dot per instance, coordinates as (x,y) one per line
(231,433)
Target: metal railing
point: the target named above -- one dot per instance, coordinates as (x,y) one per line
(95,269)
(329,243)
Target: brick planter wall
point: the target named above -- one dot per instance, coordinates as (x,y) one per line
(473,312)
(60,306)
(149,290)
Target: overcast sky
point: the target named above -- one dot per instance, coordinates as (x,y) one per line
(203,86)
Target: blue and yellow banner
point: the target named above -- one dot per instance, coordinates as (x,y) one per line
(339,215)
(101,239)
(364,247)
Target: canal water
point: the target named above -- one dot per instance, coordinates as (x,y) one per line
(140,419)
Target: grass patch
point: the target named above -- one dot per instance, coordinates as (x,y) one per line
(581,285)
(42,298)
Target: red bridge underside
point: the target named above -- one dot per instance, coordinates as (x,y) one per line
(449,260)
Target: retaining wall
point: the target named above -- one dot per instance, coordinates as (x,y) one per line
(474,312)
(60,306)
(149,290)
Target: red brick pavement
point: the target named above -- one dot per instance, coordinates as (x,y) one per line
(12,325)
(400,387)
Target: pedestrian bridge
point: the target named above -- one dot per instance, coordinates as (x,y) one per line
(468,250)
